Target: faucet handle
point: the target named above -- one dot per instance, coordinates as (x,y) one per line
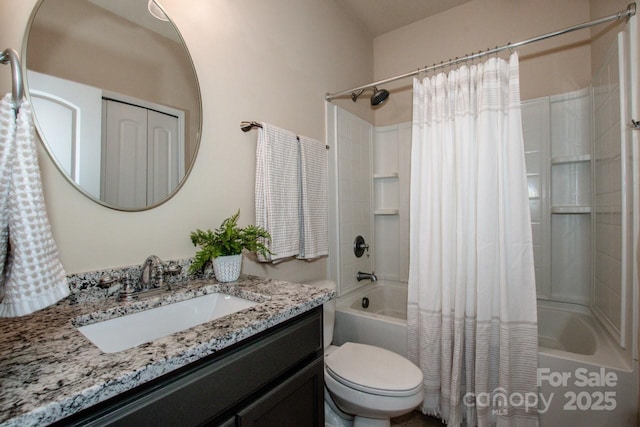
(173,268)
(128,290)
(107,280)
(172,271)
(158,274)
(360,246)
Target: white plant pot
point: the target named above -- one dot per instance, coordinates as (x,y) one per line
(227,268)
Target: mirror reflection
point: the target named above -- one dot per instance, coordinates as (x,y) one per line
(115,98)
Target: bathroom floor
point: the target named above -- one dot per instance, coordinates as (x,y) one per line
(416,419)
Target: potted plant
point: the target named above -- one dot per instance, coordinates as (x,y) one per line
(224,246)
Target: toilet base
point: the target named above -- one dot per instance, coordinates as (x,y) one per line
(370,422)
(332,419)
(335,417)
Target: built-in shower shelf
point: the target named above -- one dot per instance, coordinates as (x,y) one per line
(385,175)
(571,159)
(570,209)
(386,211)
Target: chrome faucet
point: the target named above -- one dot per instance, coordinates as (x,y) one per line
(151,281)
(152,273)
(364,276)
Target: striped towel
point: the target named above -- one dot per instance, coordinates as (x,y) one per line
(314,232)
(277,190)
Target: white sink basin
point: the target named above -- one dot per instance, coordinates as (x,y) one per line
(129,331)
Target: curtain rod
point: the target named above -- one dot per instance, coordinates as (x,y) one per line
(626,13)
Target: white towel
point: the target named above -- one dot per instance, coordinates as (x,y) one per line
(34,276)
(314,233)
(277,190)
(7,148)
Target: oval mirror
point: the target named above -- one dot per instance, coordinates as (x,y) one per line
(115,97)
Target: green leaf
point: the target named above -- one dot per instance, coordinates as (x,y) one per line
(200,260)
(228,239)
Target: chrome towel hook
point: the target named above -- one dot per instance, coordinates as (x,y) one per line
(10,56)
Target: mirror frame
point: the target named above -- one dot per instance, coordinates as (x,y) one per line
(52,156)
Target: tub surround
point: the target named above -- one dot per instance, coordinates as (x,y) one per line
(50,370)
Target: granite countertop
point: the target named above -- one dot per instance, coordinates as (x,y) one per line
(49,370)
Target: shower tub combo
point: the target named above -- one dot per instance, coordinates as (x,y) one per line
(583,377)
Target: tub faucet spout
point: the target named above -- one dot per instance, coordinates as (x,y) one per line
(364,276)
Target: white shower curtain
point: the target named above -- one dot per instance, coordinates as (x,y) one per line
(472,299)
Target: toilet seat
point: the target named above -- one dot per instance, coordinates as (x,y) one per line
(373,370)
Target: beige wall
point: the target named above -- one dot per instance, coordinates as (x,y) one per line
(256,60)
(553,66)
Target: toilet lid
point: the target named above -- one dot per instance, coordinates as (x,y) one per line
(373,370)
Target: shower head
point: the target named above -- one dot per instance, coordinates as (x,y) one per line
(379,96)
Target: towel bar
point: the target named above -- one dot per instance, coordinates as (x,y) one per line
(246,126)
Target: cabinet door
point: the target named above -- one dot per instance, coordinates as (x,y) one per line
(230,422)
(297,402)
(286,357)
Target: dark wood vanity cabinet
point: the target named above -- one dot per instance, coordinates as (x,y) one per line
(275,378)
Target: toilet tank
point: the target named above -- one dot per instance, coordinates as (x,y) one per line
(328,308)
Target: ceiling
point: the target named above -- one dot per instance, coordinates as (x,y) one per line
(378,16)
(381,16)
(138,13)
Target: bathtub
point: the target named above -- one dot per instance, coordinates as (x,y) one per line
(584,378)
(583,373)
(383,323)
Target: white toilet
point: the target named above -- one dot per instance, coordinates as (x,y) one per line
(366,385)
